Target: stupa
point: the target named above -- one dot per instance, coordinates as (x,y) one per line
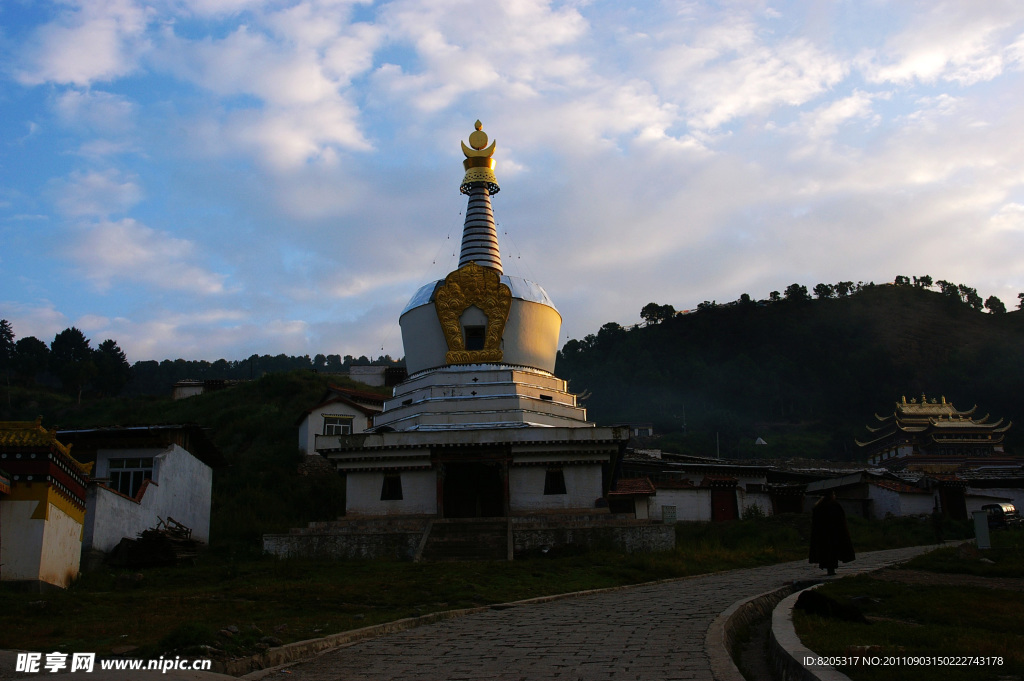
(480,345)
(482,451)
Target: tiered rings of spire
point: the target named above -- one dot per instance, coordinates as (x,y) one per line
(479,234)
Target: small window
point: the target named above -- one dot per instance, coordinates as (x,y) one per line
(475,337)
(338,425)
(554,481)
(127,475)
(547,398)
(391,490)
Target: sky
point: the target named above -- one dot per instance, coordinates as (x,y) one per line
(206,179)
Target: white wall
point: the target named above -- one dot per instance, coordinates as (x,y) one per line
(181,489)
(760,499)
(883,501)
(21,540)
(47,548)
(526,488)
(419,494)
(691,504)
(62,548)
(917,504)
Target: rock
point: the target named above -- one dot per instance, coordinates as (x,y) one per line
(271,641)
(232,628)
(226,634)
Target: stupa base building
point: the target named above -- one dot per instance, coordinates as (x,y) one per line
(481,451)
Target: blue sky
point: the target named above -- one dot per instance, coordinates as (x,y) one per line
(216,178)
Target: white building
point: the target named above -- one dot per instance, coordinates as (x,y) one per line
(341,411)
(144,475)
(42,506)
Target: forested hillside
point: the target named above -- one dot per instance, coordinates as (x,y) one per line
(804,374)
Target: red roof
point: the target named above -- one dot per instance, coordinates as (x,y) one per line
(630,486)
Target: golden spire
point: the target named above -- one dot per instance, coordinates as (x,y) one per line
(478,164)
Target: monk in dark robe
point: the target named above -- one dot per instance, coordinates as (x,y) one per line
(830,537)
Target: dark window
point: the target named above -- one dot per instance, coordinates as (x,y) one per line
(554,481)
(391,490)
(127,475)
(338,425)
(475,337)
(547,398)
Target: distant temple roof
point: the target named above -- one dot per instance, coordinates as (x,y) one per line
(937,421)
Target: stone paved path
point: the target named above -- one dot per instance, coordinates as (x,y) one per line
(651,632)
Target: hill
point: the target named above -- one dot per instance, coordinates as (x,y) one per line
(804,374)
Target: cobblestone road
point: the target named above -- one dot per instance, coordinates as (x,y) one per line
(651,632)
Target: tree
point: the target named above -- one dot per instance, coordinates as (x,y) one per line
(6,354)
(903,281)
(824,291)
(924,282)
(71,360)
(745,299)
(319,363)
(796,292)
(112,369)
(707,305)
(843,288)
(774,297)
(994,305)
(652,313)
(948,288)
(970,296)
(31,357)
(1020,297)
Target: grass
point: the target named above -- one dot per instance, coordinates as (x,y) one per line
(291,600)
(928,620)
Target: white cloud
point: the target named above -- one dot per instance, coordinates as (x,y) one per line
(96,193)
(951,41)
(826,120)
(89,41)
(96,110)
(127,251)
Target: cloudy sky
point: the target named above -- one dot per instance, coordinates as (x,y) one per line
(216,178)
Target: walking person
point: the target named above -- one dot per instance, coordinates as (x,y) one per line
(830,536)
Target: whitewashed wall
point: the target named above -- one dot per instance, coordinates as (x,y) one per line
(526,488)
(691,504)
(21,540)
(181,489)
(62,548)
(760,499)
(419,494)
(36,549)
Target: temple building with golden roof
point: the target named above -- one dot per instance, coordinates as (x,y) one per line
(933,434)
(42,506)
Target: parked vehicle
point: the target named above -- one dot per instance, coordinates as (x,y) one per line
(1001,516)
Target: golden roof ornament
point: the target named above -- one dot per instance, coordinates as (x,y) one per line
(478,164)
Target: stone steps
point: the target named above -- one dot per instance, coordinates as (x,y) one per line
(467,539)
